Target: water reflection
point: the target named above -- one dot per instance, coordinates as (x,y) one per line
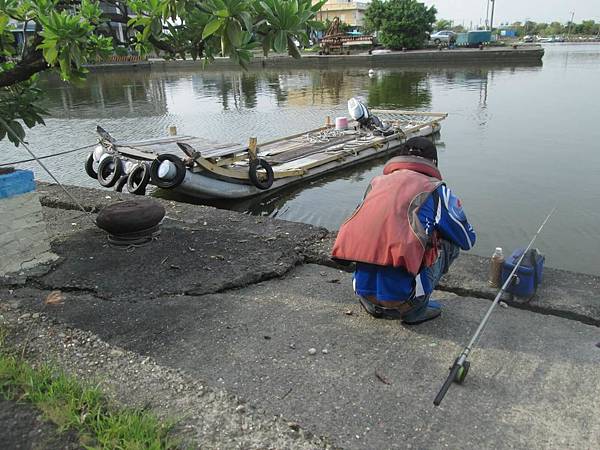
(106,95)
(146,93)
(406,90)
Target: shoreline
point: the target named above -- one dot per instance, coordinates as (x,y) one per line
(563,293)
(245,332)
(522,54)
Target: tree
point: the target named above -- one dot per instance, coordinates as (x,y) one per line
(400,23)
(556,28)
(443,24)
(68,34)
(586,27)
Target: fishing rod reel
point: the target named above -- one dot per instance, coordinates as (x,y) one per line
(461,373)
(458,374)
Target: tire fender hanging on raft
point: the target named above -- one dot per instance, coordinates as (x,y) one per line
(120,184)
(89,167)
(253,167)
(173,181)
(138,179)
(110,170)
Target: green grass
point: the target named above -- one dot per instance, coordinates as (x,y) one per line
(72,406)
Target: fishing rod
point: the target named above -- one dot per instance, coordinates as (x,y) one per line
(460,368)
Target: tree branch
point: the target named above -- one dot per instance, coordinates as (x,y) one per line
(23,71)
(33,62)
(161,45)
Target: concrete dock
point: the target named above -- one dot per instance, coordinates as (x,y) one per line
(216,318)
(523,54)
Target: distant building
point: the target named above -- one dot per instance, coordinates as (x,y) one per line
(350,12)
(20,32)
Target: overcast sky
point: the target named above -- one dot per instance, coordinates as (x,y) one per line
(517,10)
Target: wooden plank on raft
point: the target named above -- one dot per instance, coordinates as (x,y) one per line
(318,159)
(409,113)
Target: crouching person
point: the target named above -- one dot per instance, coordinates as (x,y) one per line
(404,236)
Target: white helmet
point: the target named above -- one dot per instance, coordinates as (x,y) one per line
(357,110)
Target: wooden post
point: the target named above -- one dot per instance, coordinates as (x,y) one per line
(173,130)
(328,121)
(252,148)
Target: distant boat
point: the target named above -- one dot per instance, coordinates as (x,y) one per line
(209,170)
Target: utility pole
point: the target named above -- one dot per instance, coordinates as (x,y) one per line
(492,16)
(570,24)
(487,15)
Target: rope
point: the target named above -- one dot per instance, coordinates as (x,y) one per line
(48,156)
(323,136)
(11,131)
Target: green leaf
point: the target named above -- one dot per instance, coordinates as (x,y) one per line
(247,19)
(50,54)
(280,42)
(211,28)
(234,33)
(156,27)
(18,129)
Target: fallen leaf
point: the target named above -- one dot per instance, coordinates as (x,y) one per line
(383,379)
(54,298)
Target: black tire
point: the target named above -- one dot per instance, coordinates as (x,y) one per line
(107,175)
(120,184)
(89,167)
(179,176)
(138,179)
(437,41)
(253,173)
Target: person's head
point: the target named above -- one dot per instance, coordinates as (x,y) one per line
(420,146)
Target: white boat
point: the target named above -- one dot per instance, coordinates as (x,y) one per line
(209,170)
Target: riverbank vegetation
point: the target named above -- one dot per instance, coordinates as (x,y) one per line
(585,28)
(64,36)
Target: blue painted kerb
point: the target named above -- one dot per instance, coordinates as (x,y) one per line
(15,183)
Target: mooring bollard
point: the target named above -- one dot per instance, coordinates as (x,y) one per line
(252,148)
(173,130)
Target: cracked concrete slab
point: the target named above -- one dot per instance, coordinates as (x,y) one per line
(533,380)
(182,260)
(562,293)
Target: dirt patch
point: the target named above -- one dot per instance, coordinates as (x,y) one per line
(22,427)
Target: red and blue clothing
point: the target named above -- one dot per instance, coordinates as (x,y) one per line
(441,212)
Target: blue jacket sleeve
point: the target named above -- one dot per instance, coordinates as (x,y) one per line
(451,220)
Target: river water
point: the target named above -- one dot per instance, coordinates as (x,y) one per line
(519,139)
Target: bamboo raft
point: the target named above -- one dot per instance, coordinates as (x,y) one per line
(210,170)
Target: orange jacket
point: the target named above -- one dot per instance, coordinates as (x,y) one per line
(385,229)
